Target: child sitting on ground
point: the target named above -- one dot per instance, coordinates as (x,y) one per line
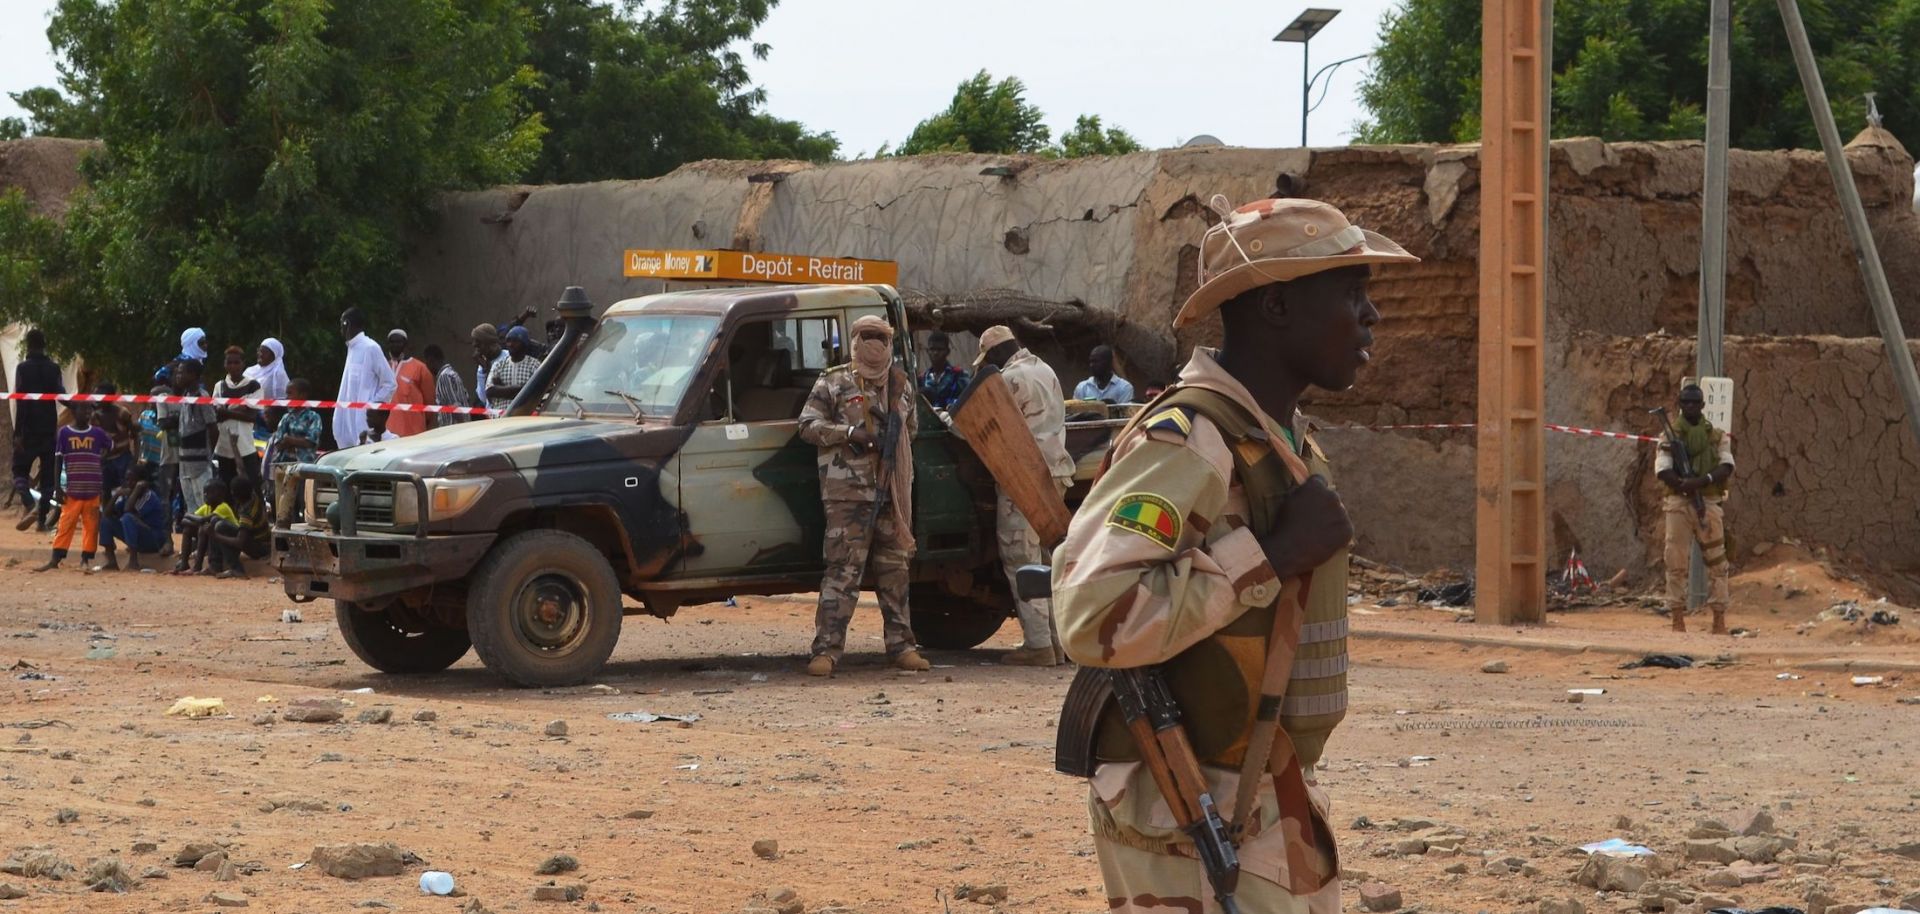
(245,537)
(137,518)
(195,536)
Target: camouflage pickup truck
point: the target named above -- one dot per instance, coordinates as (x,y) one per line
(653,456)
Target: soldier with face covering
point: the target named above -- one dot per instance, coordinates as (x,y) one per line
(868,502)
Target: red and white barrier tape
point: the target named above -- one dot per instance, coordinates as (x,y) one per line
(483,411)
(256,403)
(1568,429)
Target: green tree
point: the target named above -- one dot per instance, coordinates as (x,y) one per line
(984,116)
(1089,138)
(53,114)
(1636,70)
(265,161)
(634,94)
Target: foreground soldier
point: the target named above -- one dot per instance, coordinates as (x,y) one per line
(1179,555)
(1692,508)
(868,499)
(1037,391)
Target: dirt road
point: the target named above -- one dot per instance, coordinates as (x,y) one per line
(888,792)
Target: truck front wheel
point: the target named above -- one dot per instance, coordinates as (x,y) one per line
(380,643)
(543,609)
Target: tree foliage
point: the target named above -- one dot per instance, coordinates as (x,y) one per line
(984,116)
(1637,70)
(1089,138)
(633,93)
(996,118)
(265,161)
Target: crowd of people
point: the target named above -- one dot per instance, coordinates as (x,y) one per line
(199,485)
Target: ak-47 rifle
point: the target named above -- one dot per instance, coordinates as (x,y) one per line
(1682,463)
(1153,719)
(889,443)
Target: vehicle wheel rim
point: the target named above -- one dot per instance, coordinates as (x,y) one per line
(551,613)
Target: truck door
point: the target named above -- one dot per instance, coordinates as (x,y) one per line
(749,487)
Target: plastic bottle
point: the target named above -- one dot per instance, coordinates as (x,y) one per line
(435,882)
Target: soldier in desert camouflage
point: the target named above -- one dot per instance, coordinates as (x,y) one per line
(869,506)
(1194,546)
(1037,391)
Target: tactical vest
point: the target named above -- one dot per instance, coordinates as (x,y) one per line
(1217,681)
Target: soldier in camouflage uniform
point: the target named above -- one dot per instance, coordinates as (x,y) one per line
(1037,391)
(1163,560)
(868,506)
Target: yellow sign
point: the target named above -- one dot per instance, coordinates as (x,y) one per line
(748,266)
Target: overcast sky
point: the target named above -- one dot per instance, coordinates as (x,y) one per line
(868,70)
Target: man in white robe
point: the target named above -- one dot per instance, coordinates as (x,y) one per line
(367,377)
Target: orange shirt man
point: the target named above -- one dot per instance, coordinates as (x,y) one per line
(412,383)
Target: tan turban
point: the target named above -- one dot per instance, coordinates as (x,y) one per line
(873,361)
(872,358)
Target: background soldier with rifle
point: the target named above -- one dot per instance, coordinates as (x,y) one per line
(1695,462)
(861,417)
(1206,572)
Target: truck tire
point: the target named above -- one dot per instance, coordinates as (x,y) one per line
(379,643)
(543,609)
(946,621)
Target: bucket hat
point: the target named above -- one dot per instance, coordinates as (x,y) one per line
(1276,240)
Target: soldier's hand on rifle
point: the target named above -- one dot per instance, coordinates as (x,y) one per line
(859,437)
(1692,484)
(1312,526)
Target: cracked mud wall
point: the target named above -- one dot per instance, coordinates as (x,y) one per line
(1102,249)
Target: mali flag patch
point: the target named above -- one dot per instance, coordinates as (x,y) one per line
(1148,515)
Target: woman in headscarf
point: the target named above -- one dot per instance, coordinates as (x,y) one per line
(270,369)
(193,345)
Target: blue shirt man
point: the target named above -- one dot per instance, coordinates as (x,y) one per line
(942,382)
(1104,385)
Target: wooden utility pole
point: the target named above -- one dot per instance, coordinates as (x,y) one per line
(1510,528)
(1864,249)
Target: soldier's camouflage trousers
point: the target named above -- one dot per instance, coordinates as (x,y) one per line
(858,543)
(1019,545)
(1685,528)
(1147,866)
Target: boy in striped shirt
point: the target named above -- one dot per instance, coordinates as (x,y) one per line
(79,447)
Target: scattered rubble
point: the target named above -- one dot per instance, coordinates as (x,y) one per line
(1378,897)
(557,864)
(314,710)
(36,863)
(359,861)
(108,875)
(295,804)
(554,892)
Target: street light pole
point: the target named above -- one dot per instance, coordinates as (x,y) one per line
(1306,89)
(1301,31)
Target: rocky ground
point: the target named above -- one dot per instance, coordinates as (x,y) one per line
(1762,777)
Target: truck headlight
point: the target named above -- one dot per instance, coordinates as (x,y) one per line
(450,498)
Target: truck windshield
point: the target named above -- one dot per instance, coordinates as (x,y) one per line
(635,362)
